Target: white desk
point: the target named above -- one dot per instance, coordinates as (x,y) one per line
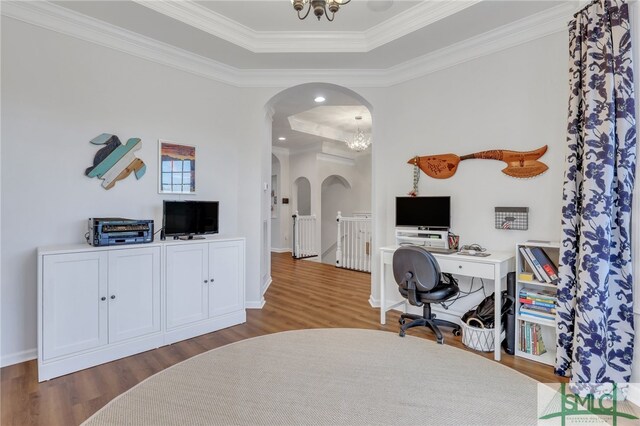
(494,267)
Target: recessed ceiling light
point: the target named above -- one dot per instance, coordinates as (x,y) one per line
(320,99)
(281,138)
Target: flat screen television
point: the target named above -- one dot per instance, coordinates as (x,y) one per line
(188,218)
(424,212)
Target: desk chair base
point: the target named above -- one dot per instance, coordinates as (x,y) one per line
(428,320)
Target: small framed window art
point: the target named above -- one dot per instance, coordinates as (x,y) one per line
(177,168)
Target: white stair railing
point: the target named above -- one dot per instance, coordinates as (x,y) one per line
(304,236)
(354,242)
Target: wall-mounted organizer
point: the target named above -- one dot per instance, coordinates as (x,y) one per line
(512,218)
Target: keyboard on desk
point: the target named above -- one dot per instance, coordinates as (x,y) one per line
(439,250)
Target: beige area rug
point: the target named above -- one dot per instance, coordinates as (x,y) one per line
(329,377)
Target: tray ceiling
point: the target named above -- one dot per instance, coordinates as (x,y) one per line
(241,33)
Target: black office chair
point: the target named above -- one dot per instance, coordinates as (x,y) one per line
(419,280)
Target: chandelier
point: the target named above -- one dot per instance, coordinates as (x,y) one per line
(320,7)
(359,141)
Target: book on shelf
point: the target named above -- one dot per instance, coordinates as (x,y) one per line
(547,309)
(536,314)
(529,261)
(547,294)
(547,265)
(531,340)
(538,298)
(535,302)
(537,266)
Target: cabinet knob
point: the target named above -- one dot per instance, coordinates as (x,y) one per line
(211,279)
(206,281)
(113,296)
(103,298)
(460,266)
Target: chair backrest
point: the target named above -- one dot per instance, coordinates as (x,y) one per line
(414,263)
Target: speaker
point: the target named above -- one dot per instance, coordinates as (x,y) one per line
(509,342)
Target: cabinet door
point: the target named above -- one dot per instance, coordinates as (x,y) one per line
(226,289)
(187,283)
(74,316)
(134,293)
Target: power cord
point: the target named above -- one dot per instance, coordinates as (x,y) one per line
(463,294)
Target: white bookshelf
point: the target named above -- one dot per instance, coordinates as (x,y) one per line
(547,327)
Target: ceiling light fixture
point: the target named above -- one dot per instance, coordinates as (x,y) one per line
(282,138)
(359,141)
(320,7)
(319,99)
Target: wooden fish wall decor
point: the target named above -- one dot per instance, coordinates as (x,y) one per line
(519,164)
(115,161)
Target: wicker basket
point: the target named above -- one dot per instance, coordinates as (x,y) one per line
(477,337)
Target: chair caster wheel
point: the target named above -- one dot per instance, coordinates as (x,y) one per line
(401,321)
(457,332)
(441,341)
(402,334)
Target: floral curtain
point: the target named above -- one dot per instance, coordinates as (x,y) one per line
(595,303)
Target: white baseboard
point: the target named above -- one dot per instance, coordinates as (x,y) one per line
(375,303)
(634,393)
(267,286)
(280,250)
(18,357)
(252,304)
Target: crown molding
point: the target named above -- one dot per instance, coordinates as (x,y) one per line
(536,26)
(218,25)
(315,129)
(59,19)
(211,22)
(65,21)
(419,16)
(333,158)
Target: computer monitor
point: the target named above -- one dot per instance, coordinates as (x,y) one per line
(423,212)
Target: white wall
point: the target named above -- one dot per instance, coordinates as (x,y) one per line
(514,99)
(276,183)
(58,93)
(281,238)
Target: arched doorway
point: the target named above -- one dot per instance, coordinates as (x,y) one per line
(302,191)
(286,134)
(335,196)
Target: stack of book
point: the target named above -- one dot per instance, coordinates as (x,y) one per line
(540,264)
(538,304)
(531,339)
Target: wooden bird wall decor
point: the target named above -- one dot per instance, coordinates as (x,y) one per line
(115,161)
(519,164)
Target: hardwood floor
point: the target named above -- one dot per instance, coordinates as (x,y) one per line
(303,295)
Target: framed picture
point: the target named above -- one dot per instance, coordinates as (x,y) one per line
(177,168)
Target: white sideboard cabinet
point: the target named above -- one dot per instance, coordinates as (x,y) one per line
(98,304)
(205,287)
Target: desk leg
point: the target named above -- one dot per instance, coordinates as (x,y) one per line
(383,311)
(498,314)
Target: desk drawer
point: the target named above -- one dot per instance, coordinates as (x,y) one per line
(466,268)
